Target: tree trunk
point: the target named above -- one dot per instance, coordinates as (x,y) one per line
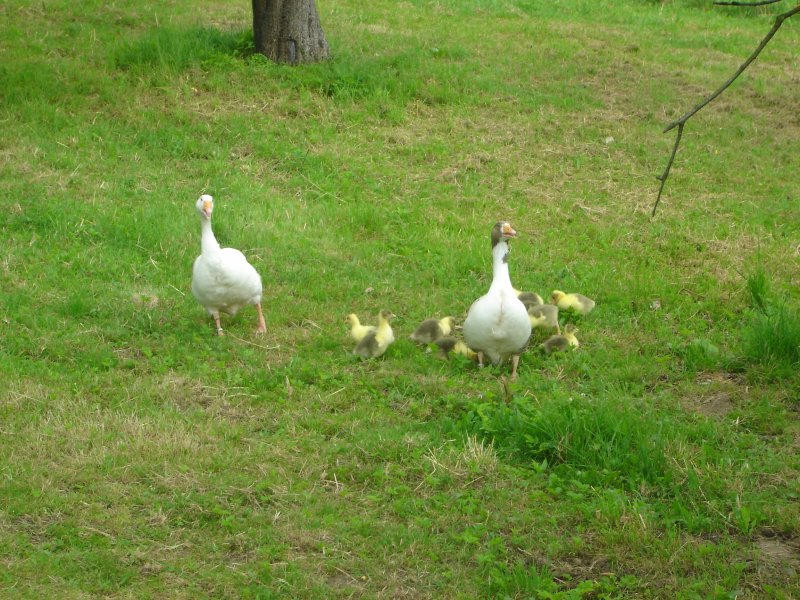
(289,31)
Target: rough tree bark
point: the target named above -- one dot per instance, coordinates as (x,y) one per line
(289,31)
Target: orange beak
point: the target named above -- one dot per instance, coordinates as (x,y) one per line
(207,208)
(509,230)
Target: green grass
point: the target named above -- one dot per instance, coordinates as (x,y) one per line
(145,458)
(772,338)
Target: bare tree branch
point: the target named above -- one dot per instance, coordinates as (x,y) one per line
(665,174)
(679,123)
(778,22)
(761,3)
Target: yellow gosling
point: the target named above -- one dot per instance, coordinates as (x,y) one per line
(544,316)
(450,345)
(565,341)
(375,343)
(431,330)
(577,303)
(357,330)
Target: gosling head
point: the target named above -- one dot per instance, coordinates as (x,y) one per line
(502,231)
(386,315)
(352,319)
(205,206)
(570,329)
(556,296)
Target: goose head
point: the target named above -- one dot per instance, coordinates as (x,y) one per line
(205,206)
(502,231)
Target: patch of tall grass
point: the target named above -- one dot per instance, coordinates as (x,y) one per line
(772,336)
(773,339)
(433,76)
(601,442)
(174,49)
(672,463)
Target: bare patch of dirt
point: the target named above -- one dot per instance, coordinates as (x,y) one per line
(779,552)
(585,567)
(339,579)
(189,394)
(718,398)
(144,300)
(184,392)
(715,405)
(710,377)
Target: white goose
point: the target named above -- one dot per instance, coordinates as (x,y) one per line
(497,324)
(222,279)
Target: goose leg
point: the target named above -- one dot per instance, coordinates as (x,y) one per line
(217,324)
(262,326)
(514,365)
(480,360)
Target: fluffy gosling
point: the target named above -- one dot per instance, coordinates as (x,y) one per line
(375,342)
(530,299)
(565,341)
(357,330)
(431,330)
(544,316)
(450,345)
(577,303)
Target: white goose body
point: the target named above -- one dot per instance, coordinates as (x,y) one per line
(497,324)
(222,279)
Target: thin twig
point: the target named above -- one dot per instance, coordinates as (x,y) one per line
(761,3)
(176,289)
(679,123)
(93,530)
(230,335)
(346,574)
(665,174)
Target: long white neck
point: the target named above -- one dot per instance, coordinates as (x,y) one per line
(208,243)
(500,277)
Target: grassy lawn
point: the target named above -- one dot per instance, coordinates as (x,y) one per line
(142,457)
